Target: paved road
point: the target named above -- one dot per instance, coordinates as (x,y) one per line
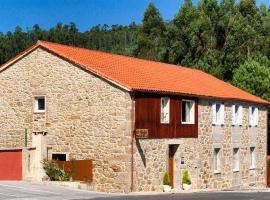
(15,190)
(32,191)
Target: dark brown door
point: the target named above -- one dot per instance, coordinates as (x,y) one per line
(171,163)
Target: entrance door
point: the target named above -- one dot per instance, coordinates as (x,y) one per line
(11,165)
(171,163)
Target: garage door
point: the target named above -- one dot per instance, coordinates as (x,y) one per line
(11,165)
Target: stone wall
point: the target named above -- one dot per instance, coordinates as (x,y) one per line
(86,117)
(151,155)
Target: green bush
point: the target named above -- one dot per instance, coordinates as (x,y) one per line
(268,162)
(166,179)
(54,172)
(186,179)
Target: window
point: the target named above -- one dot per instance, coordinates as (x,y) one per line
(235,159)
(252,157)
(237,116)
(40,104)
(253,116)
(59,156)
(165,110)
(216,160)
(218,113)
(188,112)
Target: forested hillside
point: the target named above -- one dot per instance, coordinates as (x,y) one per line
(227,39)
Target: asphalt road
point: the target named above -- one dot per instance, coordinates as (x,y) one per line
(19,190)
(32,191)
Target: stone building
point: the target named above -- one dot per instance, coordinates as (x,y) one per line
(134,118)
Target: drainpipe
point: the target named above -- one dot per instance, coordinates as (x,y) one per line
(132,139)
(25,137)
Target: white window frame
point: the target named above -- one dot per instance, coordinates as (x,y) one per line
(191,112)
(252,157)
(218,117)
(36,110)
(165,111)
(217,160)
(237,114)
(236,159)
(253,113)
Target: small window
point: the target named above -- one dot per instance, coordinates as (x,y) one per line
(237,115)
(253,116)
(59,156)
(188,112)
(235,159)
(218,113)
(252,157)
(40,104)
(165,110)
(216,160)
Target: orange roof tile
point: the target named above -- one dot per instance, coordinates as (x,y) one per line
(142,75)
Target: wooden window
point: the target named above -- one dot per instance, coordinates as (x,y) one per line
(165,110)
(217,160)
(237,114)
(39,104)
(236,159)
(252,157)
(188,113)
(59,156)
(218,113)
(253,116)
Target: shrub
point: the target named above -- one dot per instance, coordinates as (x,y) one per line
(268,162)
(166,179)
(54,172)
(186,179)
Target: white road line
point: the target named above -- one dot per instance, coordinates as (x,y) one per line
(27,189)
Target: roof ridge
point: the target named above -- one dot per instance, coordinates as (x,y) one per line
(40,42)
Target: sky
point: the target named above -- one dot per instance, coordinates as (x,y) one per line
(85,13)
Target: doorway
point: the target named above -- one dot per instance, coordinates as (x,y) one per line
(172,150)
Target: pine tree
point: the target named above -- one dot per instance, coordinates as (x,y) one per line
(150,43)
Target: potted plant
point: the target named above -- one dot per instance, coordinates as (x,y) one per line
(186,180)
(166,183)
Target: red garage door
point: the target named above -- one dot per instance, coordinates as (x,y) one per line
(11,165)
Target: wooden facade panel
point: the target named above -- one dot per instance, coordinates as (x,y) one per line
(147,116)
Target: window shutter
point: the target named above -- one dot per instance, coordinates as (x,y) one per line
(250,115)
(256,117)
(233,114)
(240,114)
(214,113)
(222,114)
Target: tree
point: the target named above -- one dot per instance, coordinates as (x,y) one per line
(254,78)
(150,43)
(244,37)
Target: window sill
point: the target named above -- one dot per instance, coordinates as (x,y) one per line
(39,112)
(188,123)
(217,172)
(252,168)
(165,123)
(235,170)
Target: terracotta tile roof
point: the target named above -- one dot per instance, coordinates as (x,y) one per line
(142,75)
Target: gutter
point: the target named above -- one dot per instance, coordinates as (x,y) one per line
(132,140)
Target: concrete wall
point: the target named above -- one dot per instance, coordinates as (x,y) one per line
(152,154)
(86,117)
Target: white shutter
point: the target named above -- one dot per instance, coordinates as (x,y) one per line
(214,113)
(222,114)
(233,114)
(240,115)
(256,117)
(250,115)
